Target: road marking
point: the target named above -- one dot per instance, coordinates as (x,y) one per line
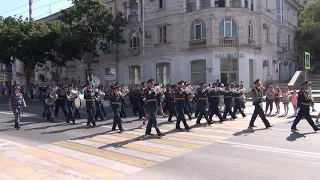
(185,136)
(139,147)
(91,159)
(206,131)
(19,170)
(271,148)
(130,152)
(75,164)
(87,147)
(13,143)
(174,139)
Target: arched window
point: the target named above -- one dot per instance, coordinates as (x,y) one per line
(228,28)
(134,74)
(134,40)
(163,73)
(250,30)
(198,71)
(197,30)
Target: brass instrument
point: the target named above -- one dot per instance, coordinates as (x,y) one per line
(53,96)
(73,94)
(124,90)
(101,95)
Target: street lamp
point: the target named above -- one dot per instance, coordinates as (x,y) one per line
(12,60)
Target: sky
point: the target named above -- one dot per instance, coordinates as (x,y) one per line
(40,8)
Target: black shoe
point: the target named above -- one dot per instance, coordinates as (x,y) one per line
(251,126)
(121,130)
(73,122)
(269,126)
(178,128)
(149,134)
(93,124)
(294,129)
(67,122)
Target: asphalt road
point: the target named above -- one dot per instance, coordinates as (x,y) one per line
(227,151)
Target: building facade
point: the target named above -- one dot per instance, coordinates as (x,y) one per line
(200,41)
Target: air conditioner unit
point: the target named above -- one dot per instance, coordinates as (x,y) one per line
(265,25)
(265,63)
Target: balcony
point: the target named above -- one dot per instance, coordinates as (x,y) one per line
(204,4)
(134,51)
(197,44)
(229,42)
(191,7)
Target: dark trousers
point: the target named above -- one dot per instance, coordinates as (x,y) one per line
(122,112)
(59,104)
(172,110)
(142,112)
(269,103)
(228,110)
(202,113)
(135,107)
(116,121)
(152,122)
(16,113)
(181,118)
(259,111)
(166,106)
(70,116)
(238,107)
(44,113)
(98,111)
(103,110)
(77,113)
(90,112)
(214,110)
(49,109)
(304,112)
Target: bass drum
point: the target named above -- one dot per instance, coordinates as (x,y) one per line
(77,102)
(106,103)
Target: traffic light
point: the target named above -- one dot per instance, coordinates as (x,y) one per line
(307,60)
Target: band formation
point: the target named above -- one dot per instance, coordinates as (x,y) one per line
(147,101)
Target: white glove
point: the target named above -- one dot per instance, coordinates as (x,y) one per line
(298,109)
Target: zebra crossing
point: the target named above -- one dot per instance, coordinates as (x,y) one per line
(112,155)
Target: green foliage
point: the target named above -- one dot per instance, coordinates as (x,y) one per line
(93,25)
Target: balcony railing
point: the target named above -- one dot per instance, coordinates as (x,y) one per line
(191,7)
(229,42)
(197,44)
(134,51)
(204,4)
(133,18)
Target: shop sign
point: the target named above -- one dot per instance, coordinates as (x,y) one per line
(229,55)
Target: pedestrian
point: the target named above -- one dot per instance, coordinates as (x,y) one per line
(257,96)
(304,103)
(294,101)
(277,95)
(285,101)
(17,101)
(269,99)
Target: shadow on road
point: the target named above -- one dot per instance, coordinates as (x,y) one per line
(296,135)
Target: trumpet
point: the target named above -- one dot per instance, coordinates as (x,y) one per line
(53,96)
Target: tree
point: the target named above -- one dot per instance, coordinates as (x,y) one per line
(63,48)
(94,26)
(309,28)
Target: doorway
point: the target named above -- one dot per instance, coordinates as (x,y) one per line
(229,70)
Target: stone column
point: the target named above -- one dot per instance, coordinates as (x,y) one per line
(249,4)
(197,4)
(227,3)
(243,3)
(139,10)
(212,3)
(184,6)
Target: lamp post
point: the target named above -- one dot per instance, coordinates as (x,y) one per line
(10,70)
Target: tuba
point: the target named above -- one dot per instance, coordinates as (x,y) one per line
(100,96)
(53,96)
(73,94)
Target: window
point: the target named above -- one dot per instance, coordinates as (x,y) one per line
(163,73)
(134,75)
(268,34)
(110,71)
(134,40)
(198,71)
(197,30)
(295,44)
(289,42)
(228,28)
(250,30)
(162,4)
(279,11)
(163,34)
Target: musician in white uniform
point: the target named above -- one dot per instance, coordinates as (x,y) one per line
(76,112)
(70,103)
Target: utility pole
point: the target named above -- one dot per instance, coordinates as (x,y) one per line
(143,30)
(30,9)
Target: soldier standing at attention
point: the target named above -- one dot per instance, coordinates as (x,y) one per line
(304,103)
(16,102)
(89,95)
(115,99)
(180,95)
(202,98)
(60,102)
(257,96)
(70,104)
(151,107)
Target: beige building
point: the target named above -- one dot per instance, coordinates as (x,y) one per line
(200,41)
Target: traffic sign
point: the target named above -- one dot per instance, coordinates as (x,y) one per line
(307,60)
